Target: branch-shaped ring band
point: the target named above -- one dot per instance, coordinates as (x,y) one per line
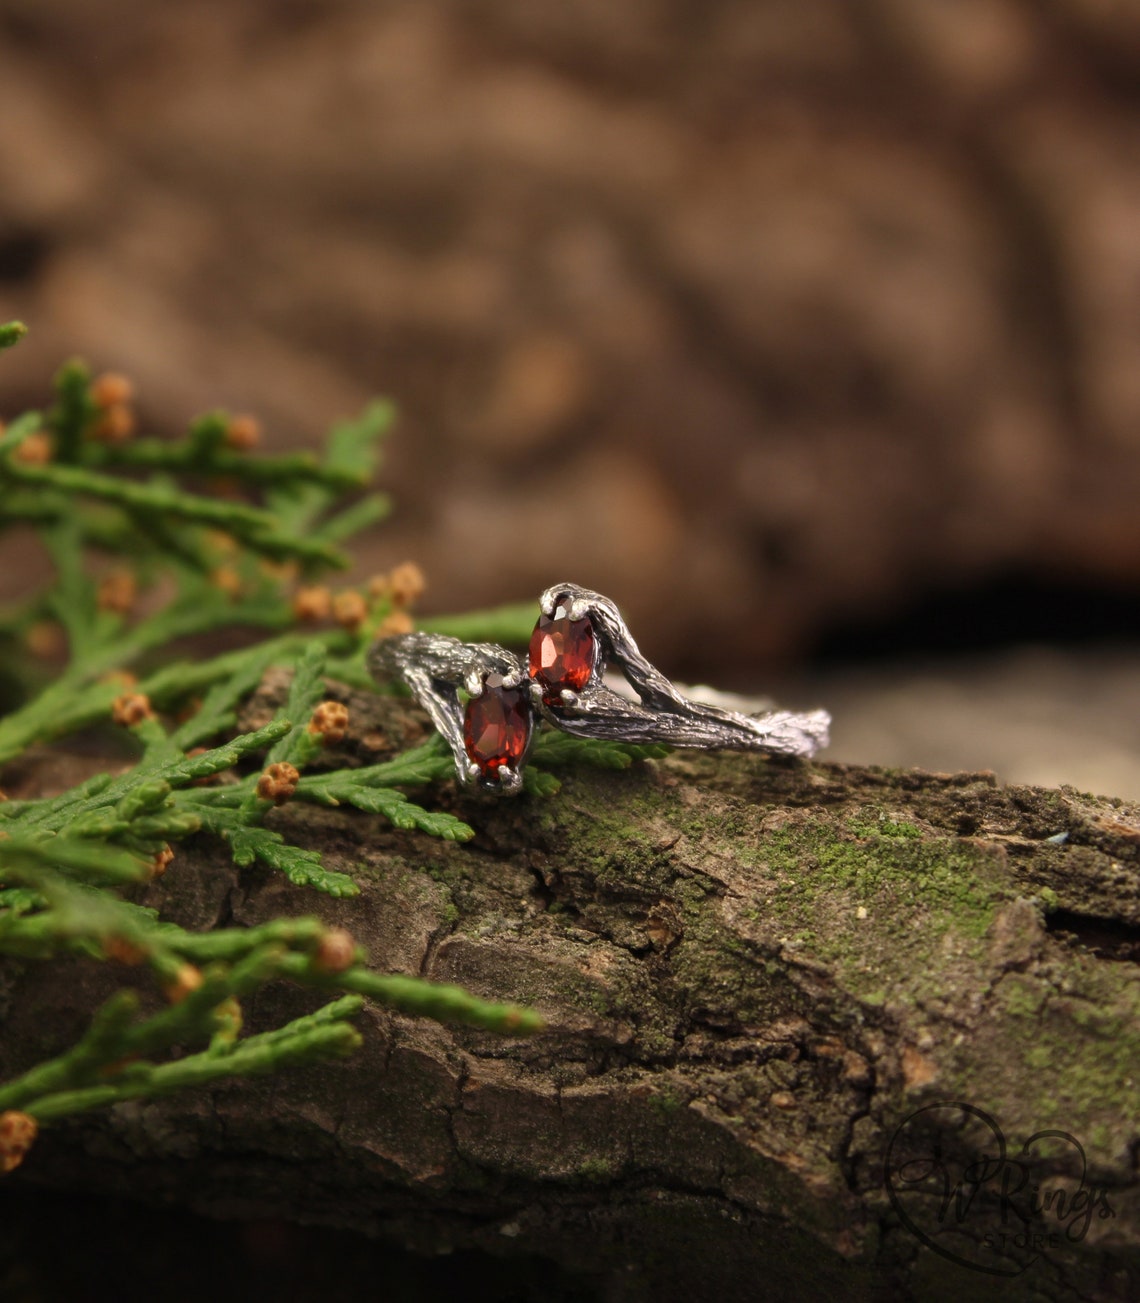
(490,734)
(578,633)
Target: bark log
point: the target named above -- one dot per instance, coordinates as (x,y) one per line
(754,975)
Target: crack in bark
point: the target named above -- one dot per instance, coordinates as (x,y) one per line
(1107,938)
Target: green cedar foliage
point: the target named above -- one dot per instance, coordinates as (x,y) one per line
(178,559)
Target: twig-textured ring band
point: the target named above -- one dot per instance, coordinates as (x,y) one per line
(577,635)
(580,632)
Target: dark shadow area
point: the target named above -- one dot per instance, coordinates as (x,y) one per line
(1010,610)
(1106,937)
(23,253)
(57,1248)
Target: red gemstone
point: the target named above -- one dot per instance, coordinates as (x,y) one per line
(563,653)
(496,726)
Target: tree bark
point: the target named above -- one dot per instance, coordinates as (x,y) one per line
(754,975)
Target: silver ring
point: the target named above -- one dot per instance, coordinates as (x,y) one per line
(577,635)
(580,632)
(489,735)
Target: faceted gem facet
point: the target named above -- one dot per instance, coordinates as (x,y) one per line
(496,726)
(563,653)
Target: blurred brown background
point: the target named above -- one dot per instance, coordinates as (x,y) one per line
(796,328)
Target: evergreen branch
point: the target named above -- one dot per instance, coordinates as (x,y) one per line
(230,944)
(351,670)
(510,625)
(73,599)
(19,900)
(352,520)
(191,456)
(294,1046)
(307,689)
(73,410)
(413,995)
(99,1045)
(256,527)
(182,679)
(393,805)
(17,432)
(352,449)
(74,702)
(148,534)
(371,789)
(75,917)
(558,749)
(347,1006)
(537,782)
(11,332)
(29,509)
(302,867)
(61,857)
(34,861)
(427,763)
(63,707)
(189,769)
(217,711)
(52,810)
(351,453)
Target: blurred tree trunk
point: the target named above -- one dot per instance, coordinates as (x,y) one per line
(620,248)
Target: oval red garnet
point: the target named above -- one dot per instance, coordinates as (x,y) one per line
(496,726)
(563,653)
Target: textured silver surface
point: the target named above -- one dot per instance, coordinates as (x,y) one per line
(435,667)
(662,714)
